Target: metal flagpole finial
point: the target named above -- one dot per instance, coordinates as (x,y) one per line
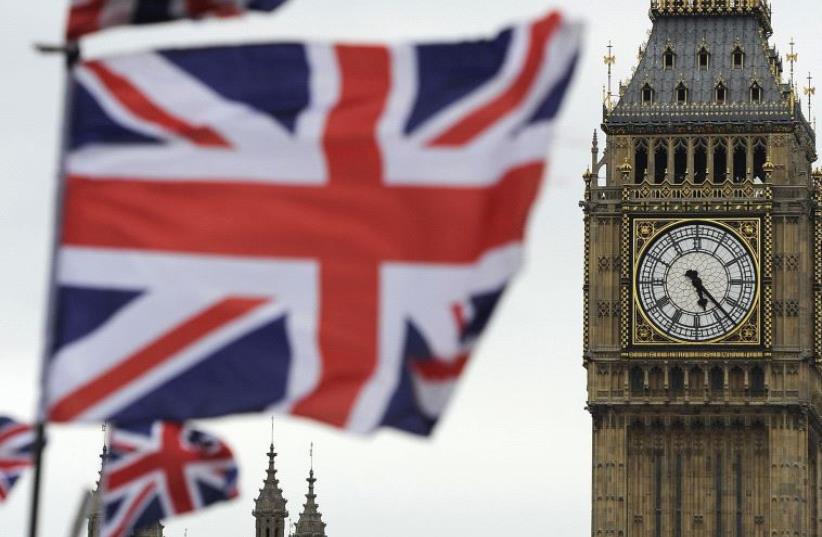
(610,60)
(810,91)
(311,454)
(793,57)
(272,430)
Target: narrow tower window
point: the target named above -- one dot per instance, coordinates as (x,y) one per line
(740,162)
(721,93)
(760,156)
(640,161)
(756,93)
(738,58)
(647,94)
(680,161)
(700,161)
(661,161)
(681,93)
(720,161)
(669,59)
(703,59)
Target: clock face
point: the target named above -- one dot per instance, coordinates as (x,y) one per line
(697,282)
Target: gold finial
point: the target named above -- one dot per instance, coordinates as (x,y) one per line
(793,57)
(610,60)
(810,91)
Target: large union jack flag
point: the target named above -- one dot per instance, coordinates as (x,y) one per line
(89,16)
(322,230)
(16,453)
(162,470)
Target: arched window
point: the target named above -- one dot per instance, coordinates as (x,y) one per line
(703,59)
(738,58)
(721,93)
(648,94)
(756,93)
(669,59)
(681,93)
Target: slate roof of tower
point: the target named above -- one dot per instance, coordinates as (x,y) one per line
(720,34)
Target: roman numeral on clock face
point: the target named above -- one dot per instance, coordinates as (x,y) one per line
(662,302)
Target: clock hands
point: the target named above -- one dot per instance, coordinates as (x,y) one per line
(700,289)
(703,292)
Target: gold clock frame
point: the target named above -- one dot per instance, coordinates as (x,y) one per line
(752,333)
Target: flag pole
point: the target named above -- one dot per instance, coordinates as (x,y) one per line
(71,53)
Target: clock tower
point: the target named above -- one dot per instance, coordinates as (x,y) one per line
(703,287)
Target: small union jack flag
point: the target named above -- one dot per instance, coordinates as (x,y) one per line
(16,448)
(156,471)
(89,16)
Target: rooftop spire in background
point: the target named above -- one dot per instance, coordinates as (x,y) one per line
(311,522)
(270,505)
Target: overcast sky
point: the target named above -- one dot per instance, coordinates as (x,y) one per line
(513,454)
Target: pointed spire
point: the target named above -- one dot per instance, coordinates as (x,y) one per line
(311,522)
(95,517)
(270,506)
